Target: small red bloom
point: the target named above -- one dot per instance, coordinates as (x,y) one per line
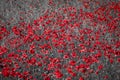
(73,74)
(58,74)
(15,30)
(25,73)
(98,55)
(32,61)
(39,64)
(81,78)
(100,67)
(69,70)
(32,51)
(111,60)
(5,72)
(68,78)
(66,56)
(24,55)
(30,30)
(80,66)
(3,50)
(118,60)
(72,62)
(74,55)
(47,78)
(106,77)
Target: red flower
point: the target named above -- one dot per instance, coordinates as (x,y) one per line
(98,55)
(3,32)
(81,78)
(30,30)
(51,66)
(36,22)
(72,62)
(47,78)
(111,60)
(73,74)
(32,51)
(39,64)
(15,30)
(25,73)
(37,37)
(100,67)
(80,66)
(118,60)
(106,77)
(69,70)
(74,55)
(68,78)
(58,74)
(32,61)
(13,73)
(19,75)
(3,50)
(66,56)
(24,55)
(5,72)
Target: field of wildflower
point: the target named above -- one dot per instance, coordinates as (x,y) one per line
(59,39)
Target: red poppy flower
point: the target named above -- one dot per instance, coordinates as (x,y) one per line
(72,62)
(74,55)
(39,64)
(58,74)
(3,50)
(118,60)
(66,56)
(106,77)
(100,67)
(73,74)
(6,72)
(81,78)
(24,55)
(111,60)
(15,30)
(47,78)
(68,78)
(32,61)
